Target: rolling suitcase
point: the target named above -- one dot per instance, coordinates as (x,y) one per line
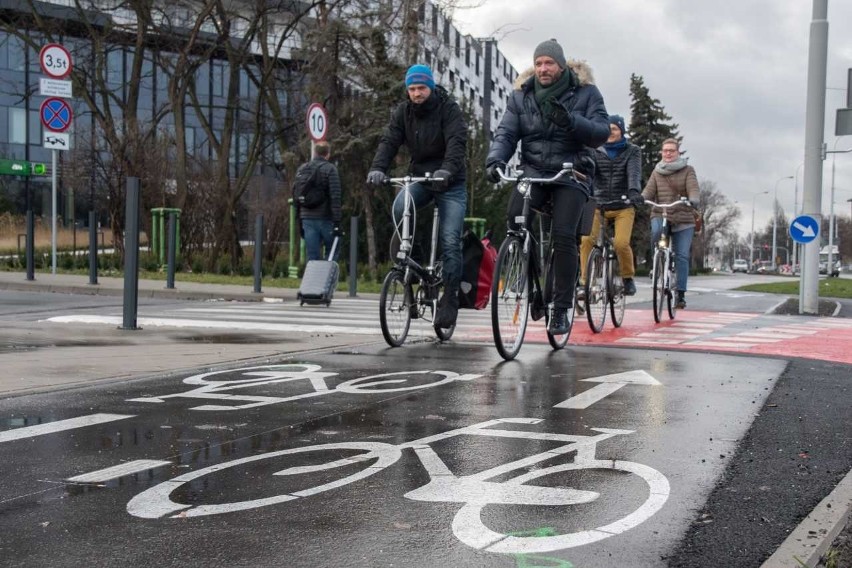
(319,280)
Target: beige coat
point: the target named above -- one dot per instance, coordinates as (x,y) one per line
(666,189)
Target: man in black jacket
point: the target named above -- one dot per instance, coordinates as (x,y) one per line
(430,123)
(619,174)
(557,114)
(322,223)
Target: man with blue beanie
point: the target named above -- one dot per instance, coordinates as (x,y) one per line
(619,173)
(431,125)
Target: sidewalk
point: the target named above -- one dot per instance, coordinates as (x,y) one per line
(37,357)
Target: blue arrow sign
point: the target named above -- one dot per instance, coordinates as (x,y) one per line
(804,229)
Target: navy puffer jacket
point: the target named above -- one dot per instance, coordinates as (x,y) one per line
(544,145)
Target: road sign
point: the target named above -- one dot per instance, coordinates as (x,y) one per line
(317,122)
(55,114)
(55,61)
(21,168)
(804,229)
(56,140)
(54,88)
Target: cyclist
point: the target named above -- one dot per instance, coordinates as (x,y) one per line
(558,115)
(430,123)
(672,179)
(618,173)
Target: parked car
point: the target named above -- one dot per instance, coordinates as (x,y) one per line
(740,265)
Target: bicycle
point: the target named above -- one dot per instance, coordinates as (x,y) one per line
(604,286)
(516,275)
(663,265)
(504,484)
(409,289)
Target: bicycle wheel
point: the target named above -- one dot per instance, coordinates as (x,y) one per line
(660,270)
(395,308)
(615,292)
(556,341)
(596,290)
(443,333)
(671,299)
(510,297)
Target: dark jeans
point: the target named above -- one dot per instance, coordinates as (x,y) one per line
(452,205)
(319,232)
(567,204)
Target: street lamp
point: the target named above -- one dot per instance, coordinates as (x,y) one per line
(796,212)
(775,220)
(751,246)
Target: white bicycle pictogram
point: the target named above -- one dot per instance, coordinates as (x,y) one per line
(208,388)
(474,492)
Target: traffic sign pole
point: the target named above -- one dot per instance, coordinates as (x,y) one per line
(53,204)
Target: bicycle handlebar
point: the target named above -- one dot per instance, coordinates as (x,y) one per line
(623,201)
(567,167)
(681,201)
(412,179)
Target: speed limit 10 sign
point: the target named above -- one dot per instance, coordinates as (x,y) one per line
(317,122)
(55,60)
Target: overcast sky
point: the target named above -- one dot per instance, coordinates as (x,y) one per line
(731,73)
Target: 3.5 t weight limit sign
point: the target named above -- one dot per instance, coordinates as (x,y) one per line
(55,61)
(317,122)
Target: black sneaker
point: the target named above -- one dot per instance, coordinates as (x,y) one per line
(629,287)
(681,300)
(558,322)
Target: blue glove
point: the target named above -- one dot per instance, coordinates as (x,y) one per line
(492,174)
(376,177)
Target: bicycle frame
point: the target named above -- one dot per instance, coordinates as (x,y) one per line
(601,290)
(663,247)
(406,235)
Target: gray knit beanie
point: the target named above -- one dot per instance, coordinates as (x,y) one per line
(552,49)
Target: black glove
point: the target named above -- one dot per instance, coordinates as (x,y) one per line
(492,174)
(442,180)
(635,198)
(375,177)
(335,231)
(559,115)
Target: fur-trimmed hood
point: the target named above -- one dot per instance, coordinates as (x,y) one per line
(579,67)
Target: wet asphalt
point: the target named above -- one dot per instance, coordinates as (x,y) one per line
(370,456)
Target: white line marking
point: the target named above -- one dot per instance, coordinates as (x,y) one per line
(608,385)
(117,471)
(59,426)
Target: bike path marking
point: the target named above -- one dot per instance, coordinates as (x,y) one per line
(608,384)
(60,426)
(117,471)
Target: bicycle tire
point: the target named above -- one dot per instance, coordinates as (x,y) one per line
(556,341)
(615,292)
(395,308)
(659,290)
(510,297)
(671,299)
(596,290)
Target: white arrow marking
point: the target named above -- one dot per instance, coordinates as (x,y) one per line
(806,231)
(609,384)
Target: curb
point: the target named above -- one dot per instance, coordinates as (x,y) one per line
(816,533)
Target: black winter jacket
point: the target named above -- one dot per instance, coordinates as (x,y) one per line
(618,176)
(328,177)
(545,146)
(434,132)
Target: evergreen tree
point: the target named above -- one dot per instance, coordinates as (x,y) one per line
(649,124)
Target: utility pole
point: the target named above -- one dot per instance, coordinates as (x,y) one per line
(814,148)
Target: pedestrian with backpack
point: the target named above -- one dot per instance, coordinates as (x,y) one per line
(317,196)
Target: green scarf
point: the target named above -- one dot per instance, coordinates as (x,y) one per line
(543,94)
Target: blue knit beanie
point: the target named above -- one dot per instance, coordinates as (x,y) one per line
(618,121)
(419,75)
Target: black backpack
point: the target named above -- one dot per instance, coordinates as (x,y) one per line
(308,192)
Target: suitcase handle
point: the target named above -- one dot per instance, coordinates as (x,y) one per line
(333,248)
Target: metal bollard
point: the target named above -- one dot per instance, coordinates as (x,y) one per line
(258,253)
(131,255)
(30,245)
(93,249)
(353,256)
(171,251)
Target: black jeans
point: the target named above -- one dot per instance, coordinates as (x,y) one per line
(567,209)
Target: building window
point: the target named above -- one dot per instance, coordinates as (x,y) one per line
(35,128)
(17,126)
(477,65)
(421,13)
(446,31)
(435,20)
(467,53)
(458,44)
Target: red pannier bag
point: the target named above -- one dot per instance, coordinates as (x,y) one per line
(478,259)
